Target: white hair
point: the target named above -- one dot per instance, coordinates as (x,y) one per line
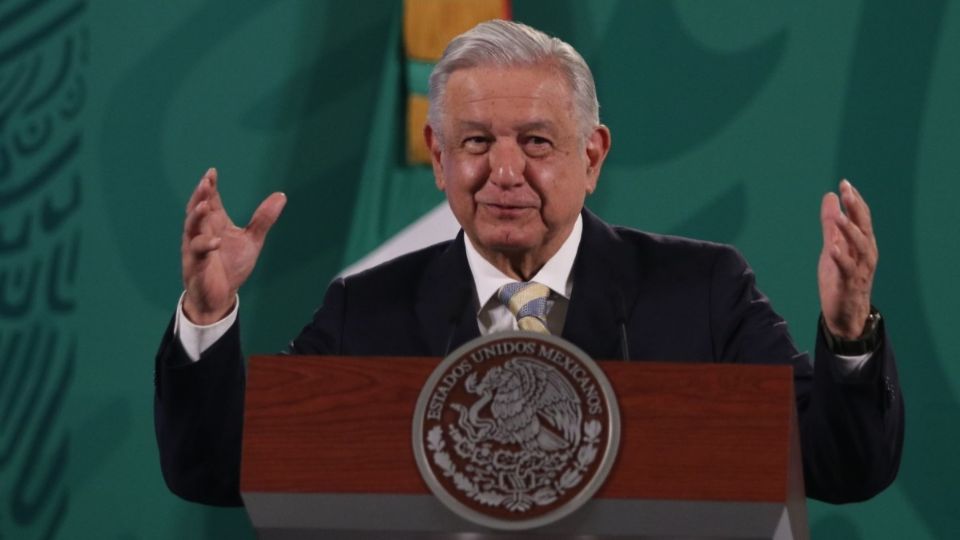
(511,44)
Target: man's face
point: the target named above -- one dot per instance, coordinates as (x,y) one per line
(513,160)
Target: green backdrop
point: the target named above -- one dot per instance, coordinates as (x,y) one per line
(729,120)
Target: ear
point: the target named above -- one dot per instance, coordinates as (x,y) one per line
(433,143)
(597,147)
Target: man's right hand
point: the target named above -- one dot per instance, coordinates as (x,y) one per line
(217,256)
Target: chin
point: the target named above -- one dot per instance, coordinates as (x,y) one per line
(507,241)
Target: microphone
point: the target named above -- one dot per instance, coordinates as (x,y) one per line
(622,316)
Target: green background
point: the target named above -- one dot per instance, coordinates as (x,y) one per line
(729,120)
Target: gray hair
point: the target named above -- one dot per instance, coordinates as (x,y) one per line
(508,44)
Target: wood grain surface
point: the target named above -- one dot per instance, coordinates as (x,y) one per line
(690,431)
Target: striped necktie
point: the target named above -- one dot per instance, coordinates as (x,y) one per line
(528,303)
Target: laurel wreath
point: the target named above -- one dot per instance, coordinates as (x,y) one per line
(520,501)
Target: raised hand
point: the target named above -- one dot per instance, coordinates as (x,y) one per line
(216,255)
(847,262)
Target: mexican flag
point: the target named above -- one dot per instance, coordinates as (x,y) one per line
(385,224)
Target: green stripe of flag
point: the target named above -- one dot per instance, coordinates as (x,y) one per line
(418,76)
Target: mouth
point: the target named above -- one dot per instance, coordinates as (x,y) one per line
(507,210)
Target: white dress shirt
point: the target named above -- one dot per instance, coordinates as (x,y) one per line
(557,274)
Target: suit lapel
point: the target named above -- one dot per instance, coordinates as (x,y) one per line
(604,291)
(446,301)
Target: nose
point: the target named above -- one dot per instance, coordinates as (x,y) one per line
(507,164)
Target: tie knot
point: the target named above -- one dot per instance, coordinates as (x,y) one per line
(528,302)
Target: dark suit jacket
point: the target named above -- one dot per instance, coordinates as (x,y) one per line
(679,299)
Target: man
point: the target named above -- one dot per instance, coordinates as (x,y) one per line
(517,146)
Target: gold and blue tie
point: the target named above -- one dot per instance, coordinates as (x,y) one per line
(528,303)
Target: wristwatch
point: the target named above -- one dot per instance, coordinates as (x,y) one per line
(868,341)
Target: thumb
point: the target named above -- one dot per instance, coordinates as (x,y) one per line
(266,215)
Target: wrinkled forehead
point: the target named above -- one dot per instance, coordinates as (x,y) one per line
(497,81)
(494,92)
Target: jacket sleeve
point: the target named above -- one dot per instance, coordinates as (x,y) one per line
(198,417)
(851,427)
(198,406)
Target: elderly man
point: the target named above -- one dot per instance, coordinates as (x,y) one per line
(517,146)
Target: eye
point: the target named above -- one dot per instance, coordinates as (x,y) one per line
(536,145)
(476,144)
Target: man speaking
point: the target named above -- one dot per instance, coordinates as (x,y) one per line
(517,145)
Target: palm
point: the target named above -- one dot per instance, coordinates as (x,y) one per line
(217,276)
(831,286)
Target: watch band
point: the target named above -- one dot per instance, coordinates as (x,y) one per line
(868,341)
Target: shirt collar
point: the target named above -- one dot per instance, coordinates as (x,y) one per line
(555,274)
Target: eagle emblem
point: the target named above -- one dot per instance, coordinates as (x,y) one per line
(530,404)
(515,430)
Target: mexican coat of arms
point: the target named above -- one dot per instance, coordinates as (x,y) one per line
(516,430)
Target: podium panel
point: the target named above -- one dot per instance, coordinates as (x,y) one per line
(707,451)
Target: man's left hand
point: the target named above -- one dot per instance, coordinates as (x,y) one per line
(847,262)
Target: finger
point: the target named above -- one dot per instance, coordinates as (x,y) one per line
(202,190)
(203,244)
(216,203)
(859,245)
(193,224)
(830,213)
(839,253)
(856,207)
(266,215)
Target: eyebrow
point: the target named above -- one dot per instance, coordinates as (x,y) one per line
(471,124)
(537,125)
(529,126)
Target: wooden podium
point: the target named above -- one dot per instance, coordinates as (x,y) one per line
(707,451)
